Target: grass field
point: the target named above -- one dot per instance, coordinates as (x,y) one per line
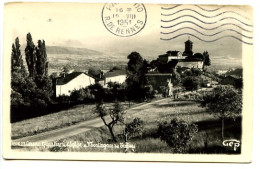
(57,120)
(207,140)
(52,121)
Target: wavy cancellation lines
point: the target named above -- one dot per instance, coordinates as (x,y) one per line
(206,23)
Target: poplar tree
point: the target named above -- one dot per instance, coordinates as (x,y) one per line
(30,54)
(41,62)
(16,57)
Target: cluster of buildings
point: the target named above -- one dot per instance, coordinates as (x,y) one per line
(77,80)
(186,59)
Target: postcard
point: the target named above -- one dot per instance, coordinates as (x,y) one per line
(128,82)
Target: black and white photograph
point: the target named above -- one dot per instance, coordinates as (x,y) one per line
(128,82)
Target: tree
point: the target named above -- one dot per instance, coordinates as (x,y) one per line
(44,86)
(136,69)
(95,72)
(81,95)
(191,83)
(164,67)
(78,96)
(16,98)
(16,58)
(196,72)
(135,63)
(30,54)
(113,85)
(114,89)
(33,91)
(98,91)
(66,69)
(149,92)
(41,60)
(177,134)
(225,102)
(36,58)
(176,78)
(18,73)
(207,61)
(116,115)
(238,84)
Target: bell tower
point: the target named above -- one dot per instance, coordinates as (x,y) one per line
(188,48)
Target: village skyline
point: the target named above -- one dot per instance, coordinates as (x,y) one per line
(147,42)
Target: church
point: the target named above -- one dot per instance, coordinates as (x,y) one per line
(186,59)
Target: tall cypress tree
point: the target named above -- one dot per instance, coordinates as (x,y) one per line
(16,57)
(30,56)
(17,75)
(41,63)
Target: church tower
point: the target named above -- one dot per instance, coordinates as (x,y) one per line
(188,48)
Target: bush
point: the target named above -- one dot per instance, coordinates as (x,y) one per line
(81,95)
(191,83)
(149,92)
(135,128)
(177,134)
(63,99)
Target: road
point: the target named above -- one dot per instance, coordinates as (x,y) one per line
(79,128)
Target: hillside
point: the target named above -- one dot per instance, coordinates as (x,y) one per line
(71,50)
(81,59)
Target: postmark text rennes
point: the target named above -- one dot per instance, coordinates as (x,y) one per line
(124,19)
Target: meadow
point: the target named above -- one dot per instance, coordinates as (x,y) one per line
(61,119)
(206,140)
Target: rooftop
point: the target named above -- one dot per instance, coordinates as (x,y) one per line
(113,73)
(68,77)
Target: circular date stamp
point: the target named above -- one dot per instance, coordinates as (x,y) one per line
(124,19)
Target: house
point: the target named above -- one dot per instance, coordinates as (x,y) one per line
(222,72)
(171,55)
(115,75)
(72,81)
(191,64)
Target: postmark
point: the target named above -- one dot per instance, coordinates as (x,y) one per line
(124,20)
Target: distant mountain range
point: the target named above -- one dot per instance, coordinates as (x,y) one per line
(71,51)
(61,55)
(67,50)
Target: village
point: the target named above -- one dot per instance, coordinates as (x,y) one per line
(137,103)
(159,74)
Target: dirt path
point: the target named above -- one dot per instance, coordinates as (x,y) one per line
(78,128)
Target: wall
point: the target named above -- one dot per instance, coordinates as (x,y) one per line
(119,79)
(193,64)
(80,81)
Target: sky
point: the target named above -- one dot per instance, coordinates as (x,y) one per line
(80,25)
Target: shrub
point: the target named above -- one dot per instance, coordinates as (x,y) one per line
(191,83)
(149,92)
(177,134)
(135,128)
(63,99)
